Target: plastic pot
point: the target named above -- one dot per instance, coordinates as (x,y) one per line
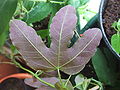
(101,12)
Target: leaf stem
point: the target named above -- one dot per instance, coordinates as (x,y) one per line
(51,1)
(67,80)
(59,75)
(99,83)
(77,85)
(57,2)
(35,75)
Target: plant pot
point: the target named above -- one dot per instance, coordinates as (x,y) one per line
(15,82)
(106,60)
(6,68)
(101,21)
(18,75)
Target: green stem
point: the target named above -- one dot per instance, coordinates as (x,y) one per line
(67,80)
(36,76)
(77,85)
(99,83)
(91,11)
(59,75)
(57,2)
(51,1)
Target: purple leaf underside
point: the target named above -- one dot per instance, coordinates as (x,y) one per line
(37,84)
(69,60)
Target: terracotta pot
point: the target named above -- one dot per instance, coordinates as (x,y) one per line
(6,69)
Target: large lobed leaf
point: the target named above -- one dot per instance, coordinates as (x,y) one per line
(69,60)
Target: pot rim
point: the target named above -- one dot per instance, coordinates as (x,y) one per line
(17,75)
(101,10)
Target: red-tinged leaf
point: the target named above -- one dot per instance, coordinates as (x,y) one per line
(39,85)
(82,51)
(69,60)
(61,30)
(30,45)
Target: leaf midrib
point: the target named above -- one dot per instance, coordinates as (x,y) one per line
(60,37)
(80,51)
(35,47)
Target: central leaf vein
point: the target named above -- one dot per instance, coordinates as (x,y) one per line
(60,37)
(35,47)
(80,51)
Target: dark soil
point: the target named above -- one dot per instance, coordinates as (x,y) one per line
(111,14)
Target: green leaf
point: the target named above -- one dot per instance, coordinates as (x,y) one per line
(7,9)
(77,3)
(74,3)
(43,33)
(104,70)
(3,37)
(55,8)
(114,25)
(38,13)
(118,25)
(83,2)
(82,82)
(115,42)
(28,4)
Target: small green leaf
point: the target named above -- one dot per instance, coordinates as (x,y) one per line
(38,13)
(115,41)
(79,78)
(118,25)
(82,82)
(114,25)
